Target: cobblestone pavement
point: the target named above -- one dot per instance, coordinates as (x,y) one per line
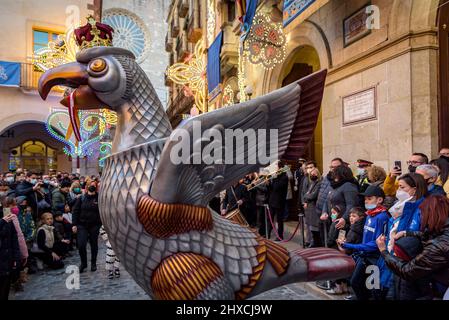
(51,284)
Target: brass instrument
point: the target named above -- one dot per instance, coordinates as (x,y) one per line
(263,179)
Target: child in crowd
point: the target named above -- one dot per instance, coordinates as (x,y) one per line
(367,253)
(51,250)
(336,213)
(355,233)
(63,230)
(112,262)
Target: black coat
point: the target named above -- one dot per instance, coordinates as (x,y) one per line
(310,197)
(233,194)
(25,188)
(355,233)
(278,191)
(9,248)
(346,197)
(85,211)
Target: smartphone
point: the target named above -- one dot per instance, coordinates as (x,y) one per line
(6,211)
(398,165)
(342,235)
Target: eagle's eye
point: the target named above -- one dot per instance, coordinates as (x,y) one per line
(97,65)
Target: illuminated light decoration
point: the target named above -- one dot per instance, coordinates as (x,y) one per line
(105,151)
(91,123)
(241,73)
(192,74)
(228,96)
(61,51)
(211,21)
(130,32)
(265,44)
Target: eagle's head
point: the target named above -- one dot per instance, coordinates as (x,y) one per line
(100,77)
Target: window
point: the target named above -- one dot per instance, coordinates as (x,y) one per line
(33,155)
(41,38)
(231,11)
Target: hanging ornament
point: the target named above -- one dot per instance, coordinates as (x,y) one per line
(265,44)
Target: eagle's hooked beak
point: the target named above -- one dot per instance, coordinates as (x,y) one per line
(72,75)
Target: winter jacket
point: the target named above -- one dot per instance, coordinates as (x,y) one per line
(46,238)
(310,197)
(85,211)
(233,194)
(58,201)
(25,188)
(410,220)
(355,233)
(27,225)
(444,185)
(278,191)
(391,185)
(436,190)
(321,203)
(431,262)
(9,248)
(346,197)
(373,228)
(22,243)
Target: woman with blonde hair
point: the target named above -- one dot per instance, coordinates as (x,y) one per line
(376,175)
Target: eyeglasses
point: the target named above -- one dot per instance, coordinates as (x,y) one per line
(414,162)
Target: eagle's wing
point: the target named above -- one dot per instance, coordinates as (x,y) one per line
(292,110)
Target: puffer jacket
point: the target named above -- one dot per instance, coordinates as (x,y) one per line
(85,211)
(433,261)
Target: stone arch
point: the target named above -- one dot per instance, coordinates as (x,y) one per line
(21,118)
(412,15)
(307,34)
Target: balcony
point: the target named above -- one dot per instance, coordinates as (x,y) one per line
(168,43)
(229,51)
(181,48)
(180,105)
(29,76)
(194,31)
(175,27)
(183,8)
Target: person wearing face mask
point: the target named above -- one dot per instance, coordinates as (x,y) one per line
(405,216)
(59,197)
(10,180)
(86,224)
(391,183)
(75,193)
(362,174)
(367,253)
(309,199)
(430,175)
(29,187)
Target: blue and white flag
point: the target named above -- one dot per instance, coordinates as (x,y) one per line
(9,73)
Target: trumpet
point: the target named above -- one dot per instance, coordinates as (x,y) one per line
(268,177)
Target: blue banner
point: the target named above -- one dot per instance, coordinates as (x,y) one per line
(9,74)
(251,6)
(213,63)
(293,8)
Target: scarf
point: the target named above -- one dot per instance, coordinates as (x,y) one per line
(397,209)
(374,212)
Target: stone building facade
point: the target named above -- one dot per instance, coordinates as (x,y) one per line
(22,112)
(397,68)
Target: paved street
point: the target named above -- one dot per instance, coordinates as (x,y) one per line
(51,284)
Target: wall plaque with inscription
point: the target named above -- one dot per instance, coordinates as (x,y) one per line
(360,107)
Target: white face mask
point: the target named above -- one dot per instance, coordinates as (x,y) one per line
(402,196)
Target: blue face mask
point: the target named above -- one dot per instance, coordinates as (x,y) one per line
(370,206)
(33,181)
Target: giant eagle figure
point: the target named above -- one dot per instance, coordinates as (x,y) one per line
(156,212)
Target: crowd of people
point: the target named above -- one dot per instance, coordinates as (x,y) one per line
(397,222)
(43,218)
